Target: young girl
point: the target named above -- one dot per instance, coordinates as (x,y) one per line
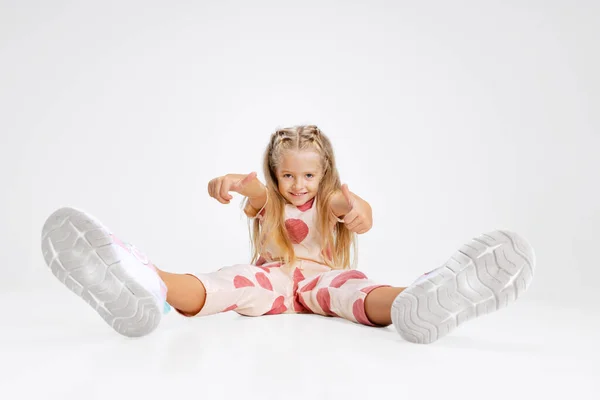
(304,224)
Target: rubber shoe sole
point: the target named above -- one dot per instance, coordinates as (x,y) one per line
(82,254)
(484,275)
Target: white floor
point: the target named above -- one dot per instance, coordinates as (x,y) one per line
(54,346)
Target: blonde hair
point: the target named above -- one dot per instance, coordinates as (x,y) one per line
(339,238)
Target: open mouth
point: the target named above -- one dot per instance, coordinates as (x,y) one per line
(298,194)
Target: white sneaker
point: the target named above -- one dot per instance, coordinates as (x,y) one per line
(115,278)
(483,276)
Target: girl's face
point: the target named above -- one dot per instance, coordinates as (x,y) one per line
(299,175)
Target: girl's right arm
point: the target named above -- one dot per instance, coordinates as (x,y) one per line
(257,196)
(245,184)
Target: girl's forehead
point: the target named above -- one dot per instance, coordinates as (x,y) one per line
(300,161)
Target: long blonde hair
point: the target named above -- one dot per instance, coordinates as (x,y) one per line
(335,235)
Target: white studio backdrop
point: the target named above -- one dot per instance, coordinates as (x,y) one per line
(450,118)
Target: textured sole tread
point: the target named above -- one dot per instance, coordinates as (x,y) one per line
(484,275)
(81,254)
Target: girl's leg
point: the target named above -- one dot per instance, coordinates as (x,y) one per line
(485,274)
(378,304)
(185,292)
(246,289)
(344,293)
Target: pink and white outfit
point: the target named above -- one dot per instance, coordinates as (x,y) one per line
(305,286)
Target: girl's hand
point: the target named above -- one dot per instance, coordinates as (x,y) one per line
(359,219)
(220,187)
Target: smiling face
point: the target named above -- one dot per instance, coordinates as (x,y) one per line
(299,175)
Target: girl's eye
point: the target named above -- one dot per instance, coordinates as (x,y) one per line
(308,175)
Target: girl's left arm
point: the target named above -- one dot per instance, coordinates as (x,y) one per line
(355,211)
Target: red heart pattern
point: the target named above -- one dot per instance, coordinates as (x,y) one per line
(297,230)
(278,306)
(263,281)
(241,281)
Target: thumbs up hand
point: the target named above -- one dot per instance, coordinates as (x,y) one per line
(360,218)
(246,185)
